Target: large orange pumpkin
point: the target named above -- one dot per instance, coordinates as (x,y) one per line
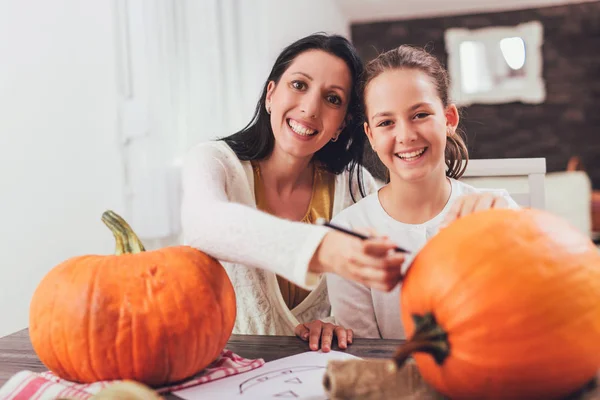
(504,304)
(155,317)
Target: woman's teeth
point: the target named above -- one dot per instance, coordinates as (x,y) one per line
(300,129)
(413,155)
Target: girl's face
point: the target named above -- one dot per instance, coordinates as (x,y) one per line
(407,123)
(309,104)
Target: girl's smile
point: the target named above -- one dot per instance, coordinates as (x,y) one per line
(412,156)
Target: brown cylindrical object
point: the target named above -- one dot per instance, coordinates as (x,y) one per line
(369,379)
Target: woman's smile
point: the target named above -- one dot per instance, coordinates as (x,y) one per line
(301,130)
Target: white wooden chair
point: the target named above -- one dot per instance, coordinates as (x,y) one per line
(523,178)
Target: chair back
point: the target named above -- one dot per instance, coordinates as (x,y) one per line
(523,178)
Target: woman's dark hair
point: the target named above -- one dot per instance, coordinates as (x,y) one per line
(256,140)
(408,57)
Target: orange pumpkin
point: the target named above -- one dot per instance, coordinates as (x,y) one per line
(155,317)
(504,304)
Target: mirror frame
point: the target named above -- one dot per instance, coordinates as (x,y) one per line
(533,91)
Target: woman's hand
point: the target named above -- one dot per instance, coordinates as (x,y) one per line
(471,203)
(372,262)
(318,330)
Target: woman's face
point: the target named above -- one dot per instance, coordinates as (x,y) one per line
(308,104)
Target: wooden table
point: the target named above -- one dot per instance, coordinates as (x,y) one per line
(16,353)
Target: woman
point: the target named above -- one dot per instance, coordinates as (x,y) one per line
(250,198)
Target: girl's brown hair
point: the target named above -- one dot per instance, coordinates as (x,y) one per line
(408,57)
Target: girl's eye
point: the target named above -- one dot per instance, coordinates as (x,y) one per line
(334,99)
(387,122)
(421,115)
(299,85)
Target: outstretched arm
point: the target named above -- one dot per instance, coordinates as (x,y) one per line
(297,251)
(237,233)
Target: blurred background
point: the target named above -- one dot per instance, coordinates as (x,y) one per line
(100,100)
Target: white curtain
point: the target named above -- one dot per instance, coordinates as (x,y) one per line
(225,46)
(188,73)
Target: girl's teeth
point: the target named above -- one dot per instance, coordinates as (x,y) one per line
(300,129)
(411,155)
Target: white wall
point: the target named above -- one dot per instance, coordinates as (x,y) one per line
(60,167)
(289,20)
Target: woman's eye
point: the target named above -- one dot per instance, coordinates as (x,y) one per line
(299,85)
(334,99)
(421,115)
(387,122)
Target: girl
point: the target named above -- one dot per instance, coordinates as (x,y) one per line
(249,199)
(412,126)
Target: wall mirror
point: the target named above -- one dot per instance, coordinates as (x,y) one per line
(496,64)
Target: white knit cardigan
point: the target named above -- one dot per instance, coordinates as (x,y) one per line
(219,217)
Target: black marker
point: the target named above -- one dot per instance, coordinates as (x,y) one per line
(321,221)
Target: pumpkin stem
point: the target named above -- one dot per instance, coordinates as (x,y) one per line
(429,338)
(127,240)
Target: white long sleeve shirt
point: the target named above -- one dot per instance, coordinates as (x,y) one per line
(219,217)
(372,313)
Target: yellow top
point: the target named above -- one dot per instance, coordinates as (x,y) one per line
(320,206)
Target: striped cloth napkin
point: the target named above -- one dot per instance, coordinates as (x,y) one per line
(47,386)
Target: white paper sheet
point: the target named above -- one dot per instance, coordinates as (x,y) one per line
(294,377)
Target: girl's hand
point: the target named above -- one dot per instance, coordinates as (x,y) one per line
(372,262)
(318,330)
(471,203)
